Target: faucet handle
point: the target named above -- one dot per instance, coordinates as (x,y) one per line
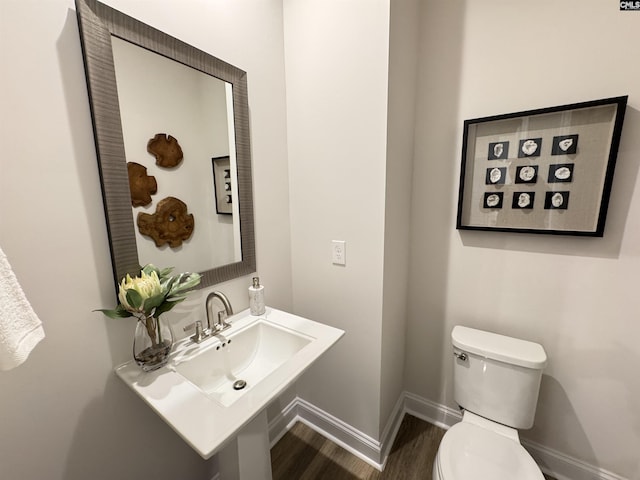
(222,324)
(200,335)
(191,326)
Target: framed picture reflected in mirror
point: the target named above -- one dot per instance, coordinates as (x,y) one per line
(222,185)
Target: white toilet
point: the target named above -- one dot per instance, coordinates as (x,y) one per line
(496,383)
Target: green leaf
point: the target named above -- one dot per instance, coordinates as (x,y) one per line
(184,282)
(165,272)
(151,268)
(167,284)
(117,313)
(166,306)
(174,284)
(134,298)
(153,302)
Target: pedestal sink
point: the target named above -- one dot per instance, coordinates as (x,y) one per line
(226,370)
(214,394)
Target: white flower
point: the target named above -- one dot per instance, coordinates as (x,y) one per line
(146,285)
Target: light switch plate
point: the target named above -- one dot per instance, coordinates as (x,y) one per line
(339,252)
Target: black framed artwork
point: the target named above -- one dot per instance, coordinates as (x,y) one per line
(548,170)
(222,185)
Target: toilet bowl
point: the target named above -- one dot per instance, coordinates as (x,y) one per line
(478,449)
(496,381)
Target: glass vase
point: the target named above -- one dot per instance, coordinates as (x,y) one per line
(152,342)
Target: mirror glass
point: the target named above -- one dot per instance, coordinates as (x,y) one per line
(177,119)
(158,95)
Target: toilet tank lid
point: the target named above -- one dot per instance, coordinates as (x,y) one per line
(499,347)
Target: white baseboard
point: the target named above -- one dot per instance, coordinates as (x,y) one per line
(281,424)
(375,453)
(564,467)
(351,439)
(359,444)
(391,429)
(434,413)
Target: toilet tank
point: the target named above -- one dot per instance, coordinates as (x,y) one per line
(497,377)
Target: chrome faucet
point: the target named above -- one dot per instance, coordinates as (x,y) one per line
(221,323)
(212,329)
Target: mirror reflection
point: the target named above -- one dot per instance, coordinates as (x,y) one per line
(159,97)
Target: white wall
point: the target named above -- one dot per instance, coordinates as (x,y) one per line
(351,79)
(577,296)
(336,57)
(63,413)
(403,65)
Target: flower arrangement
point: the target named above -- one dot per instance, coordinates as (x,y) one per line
(148,296)
(151,294)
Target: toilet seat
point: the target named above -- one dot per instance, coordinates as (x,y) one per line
(471,452)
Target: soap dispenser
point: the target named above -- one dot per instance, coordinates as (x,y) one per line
(256,297)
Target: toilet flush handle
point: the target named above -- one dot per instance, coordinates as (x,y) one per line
(460,356)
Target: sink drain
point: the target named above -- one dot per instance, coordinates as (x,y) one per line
(239,384)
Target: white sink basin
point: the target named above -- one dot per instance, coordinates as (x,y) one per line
(226,371)
(194,392)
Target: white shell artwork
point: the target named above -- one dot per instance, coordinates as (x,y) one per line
(529,147)
(565,144)
(527,173)
(493,200)
(495,175)
(524,200)
(498,149)
(562,173)
(557,200)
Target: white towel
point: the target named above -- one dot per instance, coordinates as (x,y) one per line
(20,327)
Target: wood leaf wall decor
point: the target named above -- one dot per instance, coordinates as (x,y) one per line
(166,149)
(141,185)
(171,224)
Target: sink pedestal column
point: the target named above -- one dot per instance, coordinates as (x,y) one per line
(248,456)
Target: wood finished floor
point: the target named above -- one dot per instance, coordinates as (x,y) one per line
(303,454)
